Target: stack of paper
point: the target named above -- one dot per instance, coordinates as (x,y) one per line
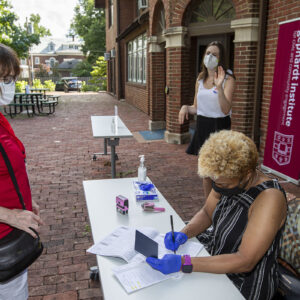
(137,274)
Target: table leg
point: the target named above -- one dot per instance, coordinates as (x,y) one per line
(105,146)
(113,143)
(104,150)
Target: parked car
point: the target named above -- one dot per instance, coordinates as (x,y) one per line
(68,84)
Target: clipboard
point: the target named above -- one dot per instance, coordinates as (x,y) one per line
(145,245)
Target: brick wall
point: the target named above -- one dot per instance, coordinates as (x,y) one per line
(157,86)
(181,64)
(178,81)
(279,11)
(243,102)
(128,13)
(111,32)
(137,95)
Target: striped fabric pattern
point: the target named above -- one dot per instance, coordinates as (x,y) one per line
(225,235)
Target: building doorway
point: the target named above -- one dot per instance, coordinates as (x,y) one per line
(112,86)
(225,39)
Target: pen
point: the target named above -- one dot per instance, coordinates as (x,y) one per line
(172,227)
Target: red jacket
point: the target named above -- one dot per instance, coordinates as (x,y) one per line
(16,154)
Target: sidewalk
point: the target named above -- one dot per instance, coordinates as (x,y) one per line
(59,157)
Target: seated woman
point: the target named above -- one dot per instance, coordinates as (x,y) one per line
(246,211)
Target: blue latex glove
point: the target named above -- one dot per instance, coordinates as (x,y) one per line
(179,237)
(170,263)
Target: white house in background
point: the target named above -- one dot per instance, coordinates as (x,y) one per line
(62,53)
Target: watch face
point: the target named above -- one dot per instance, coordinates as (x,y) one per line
(187,268)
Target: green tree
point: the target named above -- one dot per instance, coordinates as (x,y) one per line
(89,24)
(43,71)
(83,69)
(37,28)
(99,73)
(17,37)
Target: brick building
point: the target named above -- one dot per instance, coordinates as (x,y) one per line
(63,54)
(157,45)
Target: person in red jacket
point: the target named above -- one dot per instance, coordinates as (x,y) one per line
(11,212)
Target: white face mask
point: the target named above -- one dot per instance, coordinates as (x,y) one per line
(210,61)
(7,92)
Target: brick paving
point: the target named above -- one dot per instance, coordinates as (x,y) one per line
(59,157)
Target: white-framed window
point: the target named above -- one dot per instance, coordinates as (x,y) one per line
(52,61)
(37,60)
(23,61)
(51,46)
(142,4)
(137,59)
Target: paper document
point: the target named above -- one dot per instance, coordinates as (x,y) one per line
(137,274)
(120,243)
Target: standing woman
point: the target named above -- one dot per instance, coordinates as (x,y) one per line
(212,102)
(11,212)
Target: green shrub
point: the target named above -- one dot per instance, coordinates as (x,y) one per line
(37,84)
(90,88)
(20,86)
(99,73)
(49,84)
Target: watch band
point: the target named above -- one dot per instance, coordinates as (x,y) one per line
(187,266)
(187,260)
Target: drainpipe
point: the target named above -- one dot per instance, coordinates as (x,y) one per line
(119,94)
(263,11)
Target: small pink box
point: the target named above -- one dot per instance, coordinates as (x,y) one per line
(122,205)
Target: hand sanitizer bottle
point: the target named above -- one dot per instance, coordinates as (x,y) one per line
(113,125)
(142,171)
(116,119)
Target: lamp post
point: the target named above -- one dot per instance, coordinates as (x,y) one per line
(29,57)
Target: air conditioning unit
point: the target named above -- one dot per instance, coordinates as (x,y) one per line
(107,56)
(113,53)
(143,4)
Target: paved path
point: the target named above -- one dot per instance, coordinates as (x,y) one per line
(59,151)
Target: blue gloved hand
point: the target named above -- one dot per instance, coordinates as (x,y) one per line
(170,263)
(179,237)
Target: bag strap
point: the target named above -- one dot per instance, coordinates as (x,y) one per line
(12,175)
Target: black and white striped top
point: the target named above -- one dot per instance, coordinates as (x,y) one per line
(230,219)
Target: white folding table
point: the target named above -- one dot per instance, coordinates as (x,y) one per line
(100,197)
(111,129)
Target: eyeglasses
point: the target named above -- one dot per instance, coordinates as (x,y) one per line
(8,79)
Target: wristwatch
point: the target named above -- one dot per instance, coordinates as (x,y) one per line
(187,267)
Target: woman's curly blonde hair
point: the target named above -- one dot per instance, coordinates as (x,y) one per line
(227,153)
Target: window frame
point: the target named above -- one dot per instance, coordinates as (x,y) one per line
(137,60)
(37,60)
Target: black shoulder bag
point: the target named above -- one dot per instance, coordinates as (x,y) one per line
(18,249)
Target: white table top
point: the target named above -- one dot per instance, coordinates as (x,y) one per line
(102,127)
(100,197)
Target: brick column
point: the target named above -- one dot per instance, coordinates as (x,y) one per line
(246,36)
(177,83)
(157,82)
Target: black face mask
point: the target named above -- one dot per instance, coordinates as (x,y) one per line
(229,192)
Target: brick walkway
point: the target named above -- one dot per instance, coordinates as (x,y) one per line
(59,151)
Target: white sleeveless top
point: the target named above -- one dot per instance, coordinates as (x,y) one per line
(208,102)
